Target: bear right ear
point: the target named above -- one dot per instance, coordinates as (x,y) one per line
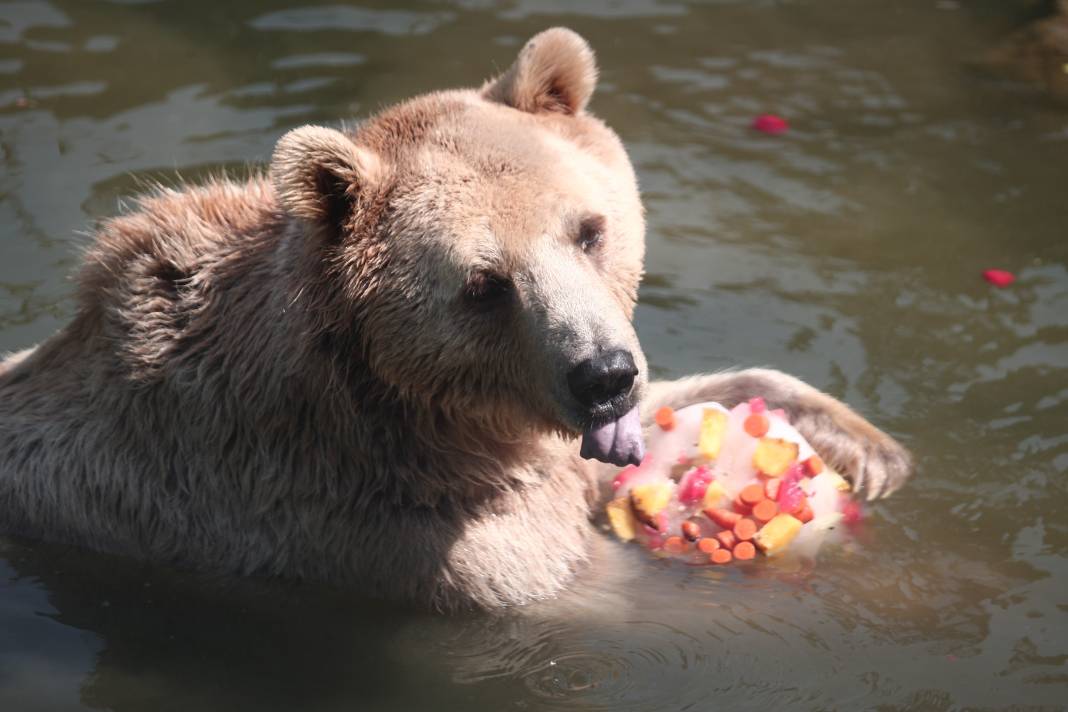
(554,72)
(320,172)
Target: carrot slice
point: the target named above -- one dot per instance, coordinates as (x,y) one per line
(721,556)
(744,550)
(691,531)
(708,544)
(805,514)
(727,540)
(814,465)
(751,494)
(675,544)
(757,425)
(723,517)
(665,418)
(745,529)
(741,507)
(765,510)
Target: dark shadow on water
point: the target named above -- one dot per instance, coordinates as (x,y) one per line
(175,640)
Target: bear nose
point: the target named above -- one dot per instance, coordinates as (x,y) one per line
(598,380)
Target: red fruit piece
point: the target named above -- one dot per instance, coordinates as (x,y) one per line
(757,405)
(757,425)
(999,277)
(694,484)
(814,465)
(790,492)
(624,476)
(851,512)
(770,124)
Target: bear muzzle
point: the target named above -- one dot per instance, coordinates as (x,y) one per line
(604,385)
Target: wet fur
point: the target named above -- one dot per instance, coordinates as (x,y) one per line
(242,389)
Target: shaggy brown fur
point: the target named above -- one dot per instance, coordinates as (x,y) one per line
(354,370)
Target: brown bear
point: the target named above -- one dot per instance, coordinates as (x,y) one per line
(371,366)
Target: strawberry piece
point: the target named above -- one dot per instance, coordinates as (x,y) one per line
(999,277)
(770,124)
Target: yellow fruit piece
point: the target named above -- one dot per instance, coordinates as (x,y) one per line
(650,500)
(840,483)
(713,426)
(773,456)
(714,496)
(777,534)
(622,519)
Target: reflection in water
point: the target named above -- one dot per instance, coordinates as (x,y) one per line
(846,251)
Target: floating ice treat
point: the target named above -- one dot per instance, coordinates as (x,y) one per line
(719,485)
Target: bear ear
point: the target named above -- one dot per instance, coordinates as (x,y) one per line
(554,72)
(319,174)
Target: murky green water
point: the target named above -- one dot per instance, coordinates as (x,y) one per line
(847,252)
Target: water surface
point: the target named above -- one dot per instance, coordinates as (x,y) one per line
(847,252)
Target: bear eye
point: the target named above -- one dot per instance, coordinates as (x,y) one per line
(486,289)
(591,233)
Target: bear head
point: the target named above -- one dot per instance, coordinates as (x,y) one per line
(478,252)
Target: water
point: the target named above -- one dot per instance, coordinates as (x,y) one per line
(847,252)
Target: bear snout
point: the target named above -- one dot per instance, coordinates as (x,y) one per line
(598,381)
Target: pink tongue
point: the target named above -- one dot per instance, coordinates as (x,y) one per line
(618,442)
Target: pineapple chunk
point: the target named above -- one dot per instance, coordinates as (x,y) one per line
(622,519)
(713,426)
(650,500)
(772,456)
(714,496)
(777,534)
(840,483)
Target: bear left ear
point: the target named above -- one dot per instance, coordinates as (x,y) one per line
(554,72)
(319,174)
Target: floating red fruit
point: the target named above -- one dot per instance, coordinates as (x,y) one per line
(999,277)
(770,124)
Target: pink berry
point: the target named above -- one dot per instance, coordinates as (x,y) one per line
(770,124)
(999,277)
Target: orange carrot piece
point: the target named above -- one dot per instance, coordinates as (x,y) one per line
(751,494)
(814,465)
(721,556)
(771,488)
(741,507)
(727,540)
(757,425)
(691,531)
(765,510)
(675,544)
(744,550)
(665,418)
(805,514)
(745,529)
(708,544)
(723,517)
